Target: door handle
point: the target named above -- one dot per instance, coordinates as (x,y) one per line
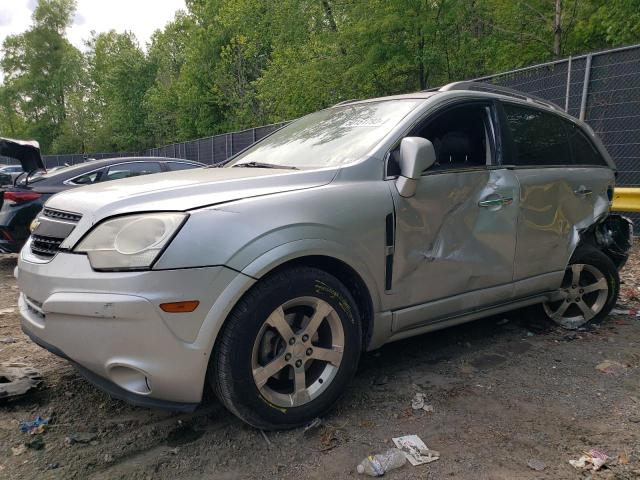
(495,202)
(582,192)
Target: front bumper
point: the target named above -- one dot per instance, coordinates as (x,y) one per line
(111,325)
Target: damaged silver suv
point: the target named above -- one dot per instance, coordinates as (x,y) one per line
(355,226)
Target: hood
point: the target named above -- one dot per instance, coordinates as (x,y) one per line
(27,152)
(183,190)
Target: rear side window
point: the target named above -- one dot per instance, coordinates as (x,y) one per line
(87,178)
(173,166)
(538,138)
(584,152)
(126,170)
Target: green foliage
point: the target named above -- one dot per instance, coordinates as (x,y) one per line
(231,64)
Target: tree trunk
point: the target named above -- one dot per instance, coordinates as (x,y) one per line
(557,30)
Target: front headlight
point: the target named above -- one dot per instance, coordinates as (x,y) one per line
(130,242)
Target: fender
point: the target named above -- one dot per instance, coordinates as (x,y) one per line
(314,247)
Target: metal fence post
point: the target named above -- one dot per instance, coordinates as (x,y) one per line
(585,88)
(566,97)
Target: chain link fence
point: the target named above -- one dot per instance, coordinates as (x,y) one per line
(602,88)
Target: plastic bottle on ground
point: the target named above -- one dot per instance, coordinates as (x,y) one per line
(378,465)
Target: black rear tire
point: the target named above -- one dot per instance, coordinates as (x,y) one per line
(232,369)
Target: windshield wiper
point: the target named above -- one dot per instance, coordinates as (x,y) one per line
(264,165)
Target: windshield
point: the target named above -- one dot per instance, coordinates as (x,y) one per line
(330,137)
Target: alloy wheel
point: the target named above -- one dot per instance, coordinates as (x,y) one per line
(297,352)
(581,297)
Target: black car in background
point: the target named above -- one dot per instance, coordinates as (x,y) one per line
(23,201)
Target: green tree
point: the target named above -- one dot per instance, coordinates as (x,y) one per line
(120,76)
(41,70)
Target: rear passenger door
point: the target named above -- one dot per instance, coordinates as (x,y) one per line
(564,185)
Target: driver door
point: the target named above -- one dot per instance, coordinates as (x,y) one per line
(455,238)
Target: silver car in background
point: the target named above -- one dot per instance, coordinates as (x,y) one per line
(355,226)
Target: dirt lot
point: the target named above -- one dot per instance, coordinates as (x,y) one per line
(502,396)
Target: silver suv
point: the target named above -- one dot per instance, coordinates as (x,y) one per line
(355,226)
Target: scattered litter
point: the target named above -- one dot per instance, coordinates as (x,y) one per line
(503,321)
(415,450)
(53,466)
(623,458)
(537,465)
(418,403)
(5,311)
(634,419)
(19,450)
(312,426)
(593,459)
(18,379)
(37,426)
(329,440)
(36,443)
(377,465)
(8,340)
(610,366)
(266,439)
(83,437)
(618,311)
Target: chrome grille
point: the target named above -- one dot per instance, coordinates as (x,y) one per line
(53,227)
(45,246)
(60,215)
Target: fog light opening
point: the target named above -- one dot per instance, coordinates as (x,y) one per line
(130,379)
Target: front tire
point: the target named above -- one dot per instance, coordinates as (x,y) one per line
(288,349)
(588,292)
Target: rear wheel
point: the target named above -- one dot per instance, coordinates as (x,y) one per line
(288,349)
(588,292)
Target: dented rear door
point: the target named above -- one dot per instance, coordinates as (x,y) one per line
(564,184)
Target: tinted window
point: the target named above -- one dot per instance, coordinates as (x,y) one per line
(127,170)
(86,179)
(584,152)
(538,138)
(173,166)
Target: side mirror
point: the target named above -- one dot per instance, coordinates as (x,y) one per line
(416,155)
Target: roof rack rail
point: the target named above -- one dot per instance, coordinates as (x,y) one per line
(490,88)
(347,101)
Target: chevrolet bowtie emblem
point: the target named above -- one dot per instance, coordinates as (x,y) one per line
(34,225)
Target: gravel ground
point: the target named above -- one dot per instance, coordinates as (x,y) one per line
(502,396)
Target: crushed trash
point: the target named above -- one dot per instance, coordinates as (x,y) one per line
(36,443)
(8,340)
(6,311)
(618,311)
(537,465)
(377,465)
(17,379)
(415,450)
(19,450)
(312,426)
(610,367)
(623,458)
(504,321)
(83,437)
(35,427)
(593,459)
(418,403)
